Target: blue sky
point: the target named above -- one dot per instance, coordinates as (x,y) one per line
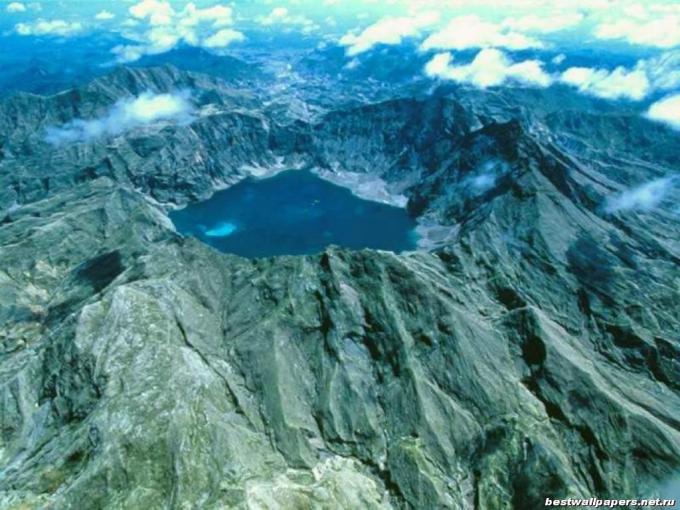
(479,43)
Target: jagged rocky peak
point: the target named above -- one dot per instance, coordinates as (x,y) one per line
(25,117)
(400,128)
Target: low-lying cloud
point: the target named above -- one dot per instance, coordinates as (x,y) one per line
(485,176)
(491,67)
(471,31)
(546,24)
(461,32)
(104,15)
(658,31)
(282,16)
(223,38)
(666,110)
(158,12)
(617,84)
(15,7)
(663,71)
(167,28)
(652,24)
(388,30)
(644,197)
(49,27)
(125,115)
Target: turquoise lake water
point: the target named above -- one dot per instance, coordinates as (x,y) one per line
(294,213)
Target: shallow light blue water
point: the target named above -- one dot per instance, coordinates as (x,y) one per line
(221,230)
(294,213)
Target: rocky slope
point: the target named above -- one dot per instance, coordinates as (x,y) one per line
(534,353)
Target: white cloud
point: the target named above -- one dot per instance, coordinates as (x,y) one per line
(544,24)
(223,38)
(158,12)
(528,5)
(104,15)
(655,74)
(483,182)
(617,84)
(643,197)
(277,14)
(558,59)
(126,53)
(352,64)
(167,28)
(663,71)
(636,11)
(663,32)
(15,7)
(389,30)
(158,39)
(219,15)
(491,67)
(438,65)
(49,27)
(125,115)
(281,16)
(167,38)
(666,110)
(471,31)
(485,176)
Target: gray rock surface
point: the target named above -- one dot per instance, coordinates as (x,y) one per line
(533,353)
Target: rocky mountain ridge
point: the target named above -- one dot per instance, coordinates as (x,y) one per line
(533,353)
